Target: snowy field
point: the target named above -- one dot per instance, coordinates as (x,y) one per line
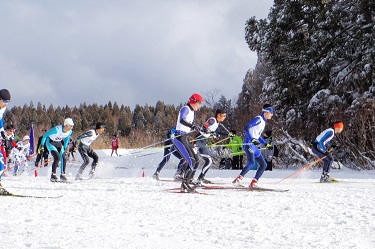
(122,209)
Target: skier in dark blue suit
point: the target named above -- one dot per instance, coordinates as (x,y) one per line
(168,150)
(185,124)
(319,148)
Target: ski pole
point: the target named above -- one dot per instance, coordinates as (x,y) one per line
(15,165)
(219,141)
(304,168)
(301,169)
(225,128)
(151,145)
(148,154)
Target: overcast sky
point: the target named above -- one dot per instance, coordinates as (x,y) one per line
(130,52)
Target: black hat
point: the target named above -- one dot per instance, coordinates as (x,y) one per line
(219,111)
(99,125)
(4,94)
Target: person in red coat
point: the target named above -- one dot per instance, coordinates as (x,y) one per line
(115,144)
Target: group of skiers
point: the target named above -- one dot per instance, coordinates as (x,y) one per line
(55,142)
(190,151)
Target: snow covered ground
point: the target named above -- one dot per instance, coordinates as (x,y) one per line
(122,209)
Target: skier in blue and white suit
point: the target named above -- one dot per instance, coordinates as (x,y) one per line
(253,132)
(185,124)
(319,148)
(53,140)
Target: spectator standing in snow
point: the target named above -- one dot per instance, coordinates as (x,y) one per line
(185,125)
(72,149)
(57,140)
(84,141)
(253,131)
(168,150)
(4,101)
(235,144)
(320,145)
(45,153)
(115,144)
(9,143)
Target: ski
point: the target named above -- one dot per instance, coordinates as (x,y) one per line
(245,188)
(169,180)
(31,196)
(59,181)
(180,191)
(332,181)
(179,180)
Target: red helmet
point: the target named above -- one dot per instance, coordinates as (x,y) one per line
(195,98)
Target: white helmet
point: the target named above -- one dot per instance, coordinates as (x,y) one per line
(68,121)
(26,138)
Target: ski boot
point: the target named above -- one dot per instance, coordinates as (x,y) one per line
(196,183)
(202,178)
(254,184)
(79,177)
(178,176)
(238,181)
(326,178)
(92,174)
(3,191)
(54,178)
(156,176)
(63,178)
(185,187)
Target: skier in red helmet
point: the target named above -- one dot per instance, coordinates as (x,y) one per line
(185,125)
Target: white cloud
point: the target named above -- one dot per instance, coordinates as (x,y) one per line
(132,52)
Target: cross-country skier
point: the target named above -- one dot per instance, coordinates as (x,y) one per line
(168,150)
(253,132)
(84,141)
(185,125)
(4,100)
(320,145)
(54,139)
(209,129)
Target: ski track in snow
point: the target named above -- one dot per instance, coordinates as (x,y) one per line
(121,209)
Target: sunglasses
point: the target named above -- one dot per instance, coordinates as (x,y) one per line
(5,101)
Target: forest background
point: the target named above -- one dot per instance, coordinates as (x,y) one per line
(315,65)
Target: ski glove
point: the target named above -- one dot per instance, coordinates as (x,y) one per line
(328,155)
(65,156)
(255,141)
(230,134)
(269,146)
(334,146)
(196,128)
(40,149)
(3,135)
